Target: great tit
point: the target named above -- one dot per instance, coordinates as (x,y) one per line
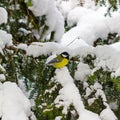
(60,61)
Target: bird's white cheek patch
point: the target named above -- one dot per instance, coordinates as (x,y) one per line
(64,55)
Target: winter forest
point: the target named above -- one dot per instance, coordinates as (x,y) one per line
(32,32)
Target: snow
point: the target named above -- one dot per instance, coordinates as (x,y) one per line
(111,21)
(98,92)
(78,41)
(2,69)
(88,92)
(13,104)
(24,31)
(2,77)
(23,20)
(84,32)
(36,48)
(88,26)
(5,39)
(107,114)
(106,58)
(54,19)
(66,6)
(39,8)
(58,118)
(101,94)
(3,15)
(89,4)
(91,101)
(69,94)
(82,74)
(76,14)
(97,86)
(90,23)
(116,46)
(88,115)
(22,46)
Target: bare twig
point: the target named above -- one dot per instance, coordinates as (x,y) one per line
(72,41)
(81,2)
(11,48)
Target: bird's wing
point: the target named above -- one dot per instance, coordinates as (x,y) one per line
(53,61)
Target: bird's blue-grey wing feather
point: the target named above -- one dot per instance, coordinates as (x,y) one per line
(53,61)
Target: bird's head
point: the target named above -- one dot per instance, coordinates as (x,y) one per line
(65,55)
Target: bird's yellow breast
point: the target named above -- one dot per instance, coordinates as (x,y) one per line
(61,64)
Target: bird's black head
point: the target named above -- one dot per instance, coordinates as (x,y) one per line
(65,55)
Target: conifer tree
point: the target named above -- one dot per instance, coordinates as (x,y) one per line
(39,80)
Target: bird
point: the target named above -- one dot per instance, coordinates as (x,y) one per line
(60,60)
